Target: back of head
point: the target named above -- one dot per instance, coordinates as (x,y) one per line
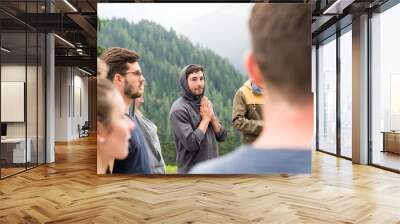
(106,93)
(116,59)
(281,42)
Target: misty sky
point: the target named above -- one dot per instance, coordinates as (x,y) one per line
(174,15)
(221,27)
(168,15)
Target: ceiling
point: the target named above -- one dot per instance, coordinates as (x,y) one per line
(74,22)
(332,15)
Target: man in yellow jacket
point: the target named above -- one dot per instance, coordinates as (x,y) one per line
(247,111)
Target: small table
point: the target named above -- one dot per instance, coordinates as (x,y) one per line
(391,141)
(13,150)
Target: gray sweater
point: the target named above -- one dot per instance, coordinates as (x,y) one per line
(149,130)
(192,145)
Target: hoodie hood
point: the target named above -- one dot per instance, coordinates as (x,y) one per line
(185,91)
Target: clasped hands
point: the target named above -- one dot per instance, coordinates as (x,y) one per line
(206,109)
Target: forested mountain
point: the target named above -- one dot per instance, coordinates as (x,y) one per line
(163,55)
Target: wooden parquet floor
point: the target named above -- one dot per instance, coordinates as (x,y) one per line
(10,171)
(69,191)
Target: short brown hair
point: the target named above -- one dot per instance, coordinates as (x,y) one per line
(116,59)
(105,97)
(194,68)
(281,42)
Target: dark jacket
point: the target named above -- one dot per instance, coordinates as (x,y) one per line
(192,145)
(137,160)
(247,113)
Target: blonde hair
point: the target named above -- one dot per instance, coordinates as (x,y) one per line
(102,69)
(105,95)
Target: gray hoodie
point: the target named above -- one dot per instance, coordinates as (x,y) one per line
(192,145)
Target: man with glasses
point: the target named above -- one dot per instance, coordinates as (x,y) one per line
(125,73)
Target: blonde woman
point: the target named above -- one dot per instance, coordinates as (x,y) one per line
(113,126)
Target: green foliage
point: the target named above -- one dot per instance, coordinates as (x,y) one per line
(171,169)
(100,50)
(164,53)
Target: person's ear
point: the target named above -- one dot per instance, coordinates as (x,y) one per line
(117,80)
(253,70)
(100,133)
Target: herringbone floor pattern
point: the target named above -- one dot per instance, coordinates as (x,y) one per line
(69,191)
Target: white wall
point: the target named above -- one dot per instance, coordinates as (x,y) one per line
(16,73)
(33,126)
(71,93)
(61,103)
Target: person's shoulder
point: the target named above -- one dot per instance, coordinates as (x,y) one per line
(249,160)
(176,105)
(213,166)
(240,92)
(222,165)
(179,106)
(240,89)
(178,102)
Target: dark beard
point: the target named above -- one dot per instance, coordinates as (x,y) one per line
(128,91)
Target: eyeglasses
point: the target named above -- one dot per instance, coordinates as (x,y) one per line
(137,73)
